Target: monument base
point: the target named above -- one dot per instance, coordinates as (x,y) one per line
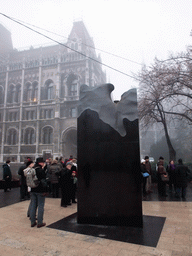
(148,235)
(132,221)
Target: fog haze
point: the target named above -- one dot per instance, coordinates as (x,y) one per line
(137,30)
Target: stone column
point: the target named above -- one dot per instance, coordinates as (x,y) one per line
(4,115)
(38,110)
(21,111)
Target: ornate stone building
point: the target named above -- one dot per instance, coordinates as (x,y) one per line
(39,93)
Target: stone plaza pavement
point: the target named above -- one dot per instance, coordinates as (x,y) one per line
(18,238)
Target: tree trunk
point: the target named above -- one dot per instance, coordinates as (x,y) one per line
(172,152)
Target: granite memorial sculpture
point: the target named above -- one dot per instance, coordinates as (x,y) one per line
(109,176)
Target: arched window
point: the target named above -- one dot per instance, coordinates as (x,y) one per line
(35,91)
(50,92)
(29,92)
(49,89)
(72,85)
(11,94)
(12,137)
(47,135)
(1,94)
(18,93)
(29,136)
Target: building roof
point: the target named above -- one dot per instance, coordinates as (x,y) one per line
(80,31)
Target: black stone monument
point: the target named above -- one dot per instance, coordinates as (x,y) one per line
(109,176)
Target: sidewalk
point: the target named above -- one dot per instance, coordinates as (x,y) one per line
(18,238)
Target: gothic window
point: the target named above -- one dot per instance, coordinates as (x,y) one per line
(29,93)
(29,136)
(11,94)
(1,95)
(72,85)
(18,93)
(35,91)
(49,90)
(47,135)
(12,137)
(73,90)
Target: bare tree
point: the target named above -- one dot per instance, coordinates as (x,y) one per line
(165,93)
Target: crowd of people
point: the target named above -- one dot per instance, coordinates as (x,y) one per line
(58,178)
(175,176)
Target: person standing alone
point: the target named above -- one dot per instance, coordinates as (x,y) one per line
(181,179)
(7,176)
(38,195)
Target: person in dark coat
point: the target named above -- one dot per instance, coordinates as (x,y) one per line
(66,184)
(181,179)
(53,171)
(23,188)
(161,183)
(38,195)
(74,180)
(171,171)
(7,176)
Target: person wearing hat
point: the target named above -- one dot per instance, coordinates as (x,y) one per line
(66,185)
(38,195)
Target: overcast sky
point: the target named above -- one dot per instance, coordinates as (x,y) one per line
(138,30)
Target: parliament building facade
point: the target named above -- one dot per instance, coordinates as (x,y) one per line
(39,93)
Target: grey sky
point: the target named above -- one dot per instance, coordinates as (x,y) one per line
(138,30)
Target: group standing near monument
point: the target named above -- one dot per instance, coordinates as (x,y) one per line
(63,175)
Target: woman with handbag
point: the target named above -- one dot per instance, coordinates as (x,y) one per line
(162,175)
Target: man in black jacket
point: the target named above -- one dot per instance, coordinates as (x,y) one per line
(38,195)
(23,188)
(181,178)
(7,176)
(66,184)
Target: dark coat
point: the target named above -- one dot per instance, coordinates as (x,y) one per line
(7,172)
(160,171)
(181,175)
(40,173)
(65,175)
(148,167)
(143,168)
(21,173)
(53,172)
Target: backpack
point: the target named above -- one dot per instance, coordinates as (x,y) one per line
(31,178)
